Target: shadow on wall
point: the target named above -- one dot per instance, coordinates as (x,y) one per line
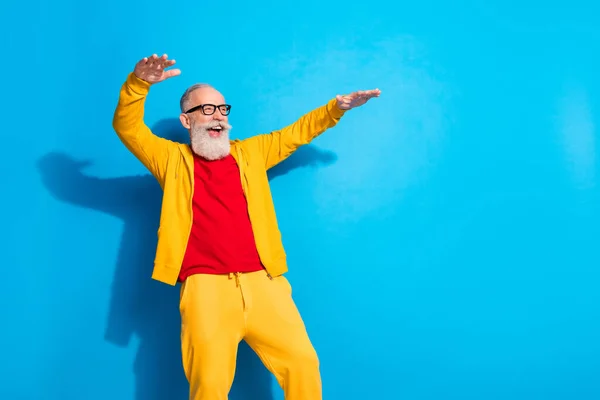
(139,305)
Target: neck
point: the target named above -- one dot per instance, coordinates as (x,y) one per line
(204,158)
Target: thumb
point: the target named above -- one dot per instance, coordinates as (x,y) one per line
(171,73)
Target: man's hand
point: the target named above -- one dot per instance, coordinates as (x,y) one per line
(152,69)
(356,99)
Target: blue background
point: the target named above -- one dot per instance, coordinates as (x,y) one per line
(442,240)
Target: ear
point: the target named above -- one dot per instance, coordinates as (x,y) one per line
(185,120)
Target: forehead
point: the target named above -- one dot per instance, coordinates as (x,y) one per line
(206,95)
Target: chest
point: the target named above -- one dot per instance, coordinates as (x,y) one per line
(219,178)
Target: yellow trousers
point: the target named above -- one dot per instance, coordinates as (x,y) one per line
(219,311)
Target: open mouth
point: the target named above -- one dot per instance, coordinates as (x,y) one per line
(215,131)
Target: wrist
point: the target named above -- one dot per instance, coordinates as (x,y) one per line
(137,84)
(334,108)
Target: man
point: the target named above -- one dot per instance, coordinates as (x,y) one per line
(218,233)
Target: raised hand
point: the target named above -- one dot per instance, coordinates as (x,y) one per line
(356,99)
(152,69)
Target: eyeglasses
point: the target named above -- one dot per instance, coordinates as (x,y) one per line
(209,109)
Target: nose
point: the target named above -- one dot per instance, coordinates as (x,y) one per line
(218,116)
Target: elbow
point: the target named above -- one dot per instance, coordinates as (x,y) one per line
(120,125)
(116,122)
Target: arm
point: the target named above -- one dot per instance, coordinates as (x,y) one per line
(128,119)
(280,144)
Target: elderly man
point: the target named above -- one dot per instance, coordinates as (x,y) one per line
(218,233)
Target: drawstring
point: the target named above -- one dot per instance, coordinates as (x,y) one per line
(237,278)
(246,299)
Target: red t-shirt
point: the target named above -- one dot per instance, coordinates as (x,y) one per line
(221,240)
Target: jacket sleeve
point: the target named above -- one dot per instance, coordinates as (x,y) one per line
(277,145)
(128,123)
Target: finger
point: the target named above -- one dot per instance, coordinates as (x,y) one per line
(152,60)
(142,62)
(164,62)
(158,63)
(367,94)
(171,73)
(342,102)
(343,99)
(168,63)
(163,59)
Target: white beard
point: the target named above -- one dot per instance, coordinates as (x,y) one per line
(208,147)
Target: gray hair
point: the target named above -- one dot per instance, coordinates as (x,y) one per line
(185,98)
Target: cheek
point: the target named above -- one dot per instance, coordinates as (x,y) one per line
(201,119)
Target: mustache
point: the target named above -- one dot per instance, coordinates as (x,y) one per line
(213,124)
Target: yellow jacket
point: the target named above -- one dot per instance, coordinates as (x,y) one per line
(173,166)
